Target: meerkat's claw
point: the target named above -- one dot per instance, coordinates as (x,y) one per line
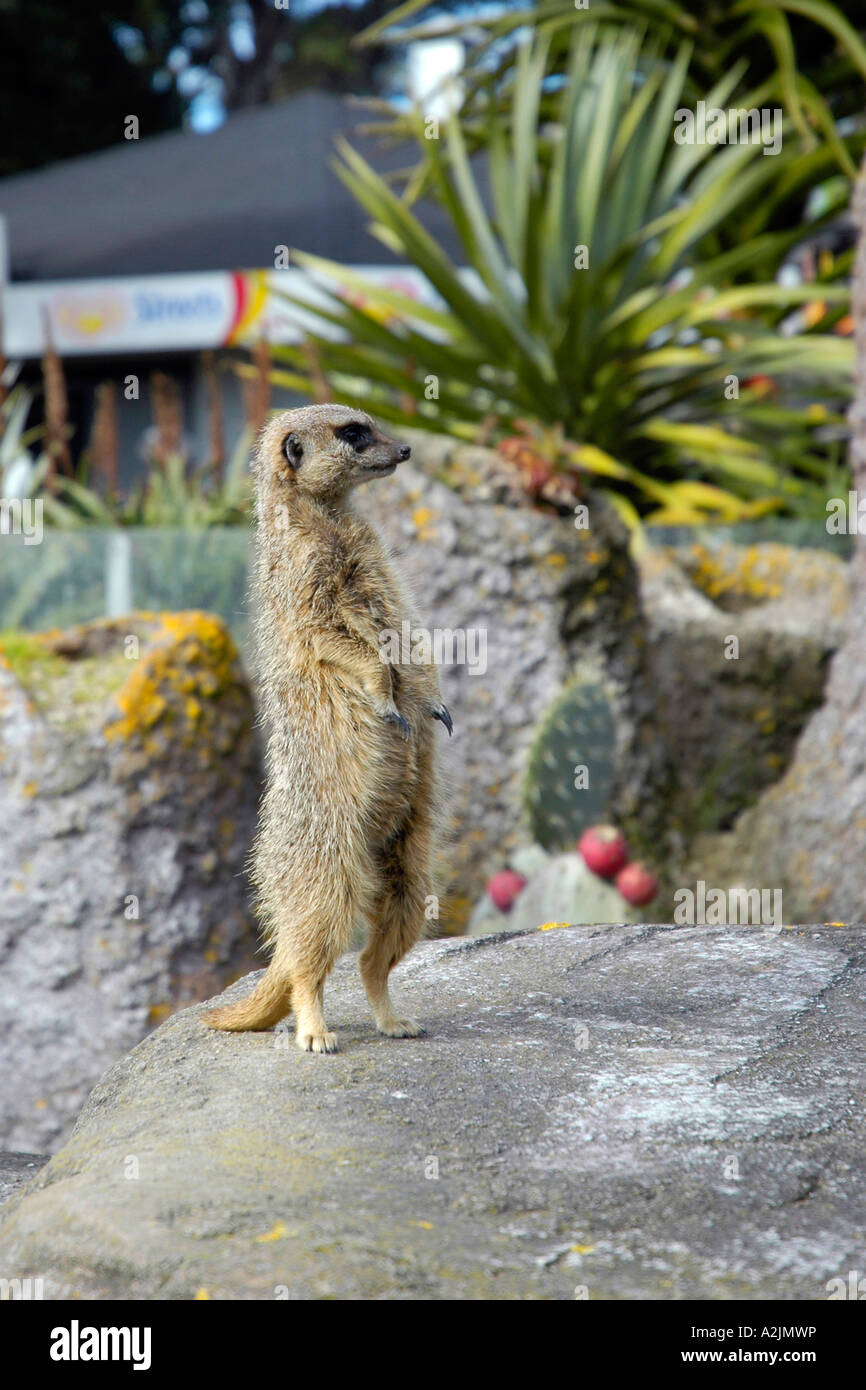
(317,1042)
(441,712)
(400,1028)
(395,717)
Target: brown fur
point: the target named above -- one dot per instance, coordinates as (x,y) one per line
(346,824)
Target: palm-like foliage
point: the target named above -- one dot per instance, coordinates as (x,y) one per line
(809,52)
(630,356)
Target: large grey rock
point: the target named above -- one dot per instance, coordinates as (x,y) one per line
(128,790)
(729,717)
(16,1169)
(621,1112)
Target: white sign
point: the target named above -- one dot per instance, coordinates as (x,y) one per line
(174,313)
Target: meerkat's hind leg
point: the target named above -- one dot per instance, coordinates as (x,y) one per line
(310,948)
(312,1033)
(396,923)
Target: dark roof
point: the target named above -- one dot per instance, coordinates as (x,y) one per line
(185,202)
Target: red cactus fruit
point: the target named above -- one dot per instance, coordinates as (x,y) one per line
(603,850)
(505,887)
(637,885)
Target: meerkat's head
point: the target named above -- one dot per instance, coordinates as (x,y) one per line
(324,450)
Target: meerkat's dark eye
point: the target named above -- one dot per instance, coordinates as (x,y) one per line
(293,449)
(355,435)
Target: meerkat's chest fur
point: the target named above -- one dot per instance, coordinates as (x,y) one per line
(362,586)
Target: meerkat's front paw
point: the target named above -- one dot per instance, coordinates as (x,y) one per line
(394,716)
(440,711)
(317,1042)
(400,1028)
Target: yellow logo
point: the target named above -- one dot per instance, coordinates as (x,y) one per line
(88,315)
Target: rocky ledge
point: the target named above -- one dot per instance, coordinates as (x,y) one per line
(595,1112)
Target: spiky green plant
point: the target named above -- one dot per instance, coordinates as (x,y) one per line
(585,303)
(168,497)
(22,472)
(569,772)
(809,52)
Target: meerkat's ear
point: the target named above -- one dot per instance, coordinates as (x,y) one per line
(293,450)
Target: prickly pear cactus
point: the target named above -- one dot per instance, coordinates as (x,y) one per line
(569,774)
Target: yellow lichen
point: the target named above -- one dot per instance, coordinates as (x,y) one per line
(735,576)
(278,1231)
(192,656)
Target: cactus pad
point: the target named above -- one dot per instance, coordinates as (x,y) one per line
(578,731)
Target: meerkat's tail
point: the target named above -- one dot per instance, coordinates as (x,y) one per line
(270,1001)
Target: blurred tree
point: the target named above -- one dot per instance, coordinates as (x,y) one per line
(261,52)
(65,84)
(69,75)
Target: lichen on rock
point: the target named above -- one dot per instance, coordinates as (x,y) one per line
(129,782)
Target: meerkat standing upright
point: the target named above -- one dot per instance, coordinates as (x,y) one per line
(347,819)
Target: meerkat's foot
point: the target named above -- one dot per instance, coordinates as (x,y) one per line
(399,1028)
(317,1042)
(441,712)
(394,716)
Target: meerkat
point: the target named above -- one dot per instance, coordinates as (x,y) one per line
(348,815)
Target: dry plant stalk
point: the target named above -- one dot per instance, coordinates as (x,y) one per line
(4,363)
(167,417)
(56,405)
(322,389)
(103,445)
(408,403)
(257,390)
(216,447)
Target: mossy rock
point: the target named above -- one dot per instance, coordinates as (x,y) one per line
(129,782)
(147,681)
(738,577)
